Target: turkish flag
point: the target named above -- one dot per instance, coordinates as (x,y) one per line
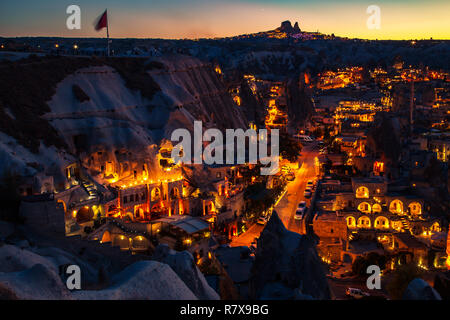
(102,21)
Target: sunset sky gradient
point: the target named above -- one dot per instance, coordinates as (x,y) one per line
(218,18)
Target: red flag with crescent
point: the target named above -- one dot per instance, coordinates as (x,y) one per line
(102,21)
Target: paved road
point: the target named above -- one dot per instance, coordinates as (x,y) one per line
(287,205)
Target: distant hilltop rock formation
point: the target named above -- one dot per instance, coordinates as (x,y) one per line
(286,26)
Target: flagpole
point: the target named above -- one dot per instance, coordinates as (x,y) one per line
(107,31)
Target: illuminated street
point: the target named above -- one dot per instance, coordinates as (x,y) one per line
(287,205)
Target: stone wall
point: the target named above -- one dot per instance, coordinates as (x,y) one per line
(43,216)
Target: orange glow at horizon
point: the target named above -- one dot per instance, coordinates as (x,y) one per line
(416,20)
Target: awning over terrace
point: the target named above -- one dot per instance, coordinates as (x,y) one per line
(188,224)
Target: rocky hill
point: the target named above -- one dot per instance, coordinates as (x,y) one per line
(53,109)
(286,266)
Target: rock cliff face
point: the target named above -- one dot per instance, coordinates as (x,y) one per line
(144,280)
(120,110)
(191,86)
(287,266)
(418,289)
(300,106)
(34,273)
(38,283)
(286,26)
(442,284)
(117,117)
(184,266)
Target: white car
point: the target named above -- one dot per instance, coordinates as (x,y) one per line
(285,169)
(262,220)
(307,193)
(303,138)
(290,176)
(302,206)
(356,293)
(300,212)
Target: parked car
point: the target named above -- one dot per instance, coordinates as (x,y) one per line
(302,206)
(356,293)
(261,220)
(285,169)
(303,138)
(300,212)
(307,193)
(290,176)
(310,184)
(298,215)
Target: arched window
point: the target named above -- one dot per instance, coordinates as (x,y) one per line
(376,208)
(415,208)
(139,213)
(211,208)
(174,193)
(155,194)
(122,242)
(63,204)
(351,222)
(436,227)
(140,243)
(396,206)
(106,237)
(364,222)
(364,207)
(85,214)
(381,223)
(362,192)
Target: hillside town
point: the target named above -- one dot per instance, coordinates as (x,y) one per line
(363,173)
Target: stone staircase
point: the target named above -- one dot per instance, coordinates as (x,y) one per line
(90,189)
(405,224)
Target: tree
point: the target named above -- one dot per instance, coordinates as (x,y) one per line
(289,148)
(318,133)
(361,264)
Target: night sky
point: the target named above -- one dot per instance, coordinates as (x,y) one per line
(406,19)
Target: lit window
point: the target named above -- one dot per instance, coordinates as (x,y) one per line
(362,192)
